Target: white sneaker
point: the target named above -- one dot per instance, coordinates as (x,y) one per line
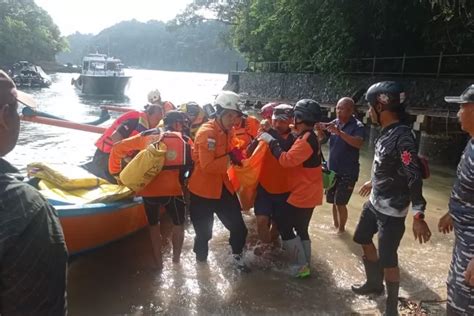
(240,264)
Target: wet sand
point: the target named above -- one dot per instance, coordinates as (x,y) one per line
(120,279)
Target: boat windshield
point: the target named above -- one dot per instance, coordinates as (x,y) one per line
(114,66)
(97,65)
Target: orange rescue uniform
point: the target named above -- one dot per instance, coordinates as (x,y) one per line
(305,179)
(210,155)
(273,176)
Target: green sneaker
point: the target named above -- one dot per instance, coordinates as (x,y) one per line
(303,272)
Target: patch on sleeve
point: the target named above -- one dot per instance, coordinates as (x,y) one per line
(211,144)
(406,157)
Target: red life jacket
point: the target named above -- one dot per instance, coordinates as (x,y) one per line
(104,143)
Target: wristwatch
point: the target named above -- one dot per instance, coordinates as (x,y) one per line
(419,216)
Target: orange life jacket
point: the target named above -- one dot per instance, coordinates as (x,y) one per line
(175,155)
(246,132)
(176,150)
(104,143)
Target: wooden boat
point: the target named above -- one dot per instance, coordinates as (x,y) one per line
(90,226)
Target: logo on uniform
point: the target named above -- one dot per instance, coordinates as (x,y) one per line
(211,144)
(406,157)
(171,155)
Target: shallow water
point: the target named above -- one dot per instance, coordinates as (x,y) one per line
(120,278)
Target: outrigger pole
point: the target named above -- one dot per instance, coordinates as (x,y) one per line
(117,108)
(31,115)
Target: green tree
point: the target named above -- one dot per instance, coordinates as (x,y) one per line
(326,32)
(27,32)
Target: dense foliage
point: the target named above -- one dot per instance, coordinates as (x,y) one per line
(27,32)
(327,32)
(157,45)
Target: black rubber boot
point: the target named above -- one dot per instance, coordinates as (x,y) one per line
(391,308)
(374,283)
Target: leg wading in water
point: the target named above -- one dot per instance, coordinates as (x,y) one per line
(266,206)
(390,231)
(293,225)
(228,210)
(175,209)
(339,196)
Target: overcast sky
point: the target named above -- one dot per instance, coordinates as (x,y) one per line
(92,16)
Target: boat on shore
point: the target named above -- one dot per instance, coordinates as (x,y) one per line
(28,75)
(102,75)
(90,226)
(92,211)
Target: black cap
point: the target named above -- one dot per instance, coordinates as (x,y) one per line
(174,116)
(466,97)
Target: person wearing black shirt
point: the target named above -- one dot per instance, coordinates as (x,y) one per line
(33,254)
(396,181)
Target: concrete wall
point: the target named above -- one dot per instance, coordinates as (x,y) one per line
(422,92)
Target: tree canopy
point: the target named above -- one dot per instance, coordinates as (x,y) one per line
(327,32)
(158,45)
(27,32)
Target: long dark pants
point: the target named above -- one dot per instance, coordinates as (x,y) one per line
(228,210)
(291,220)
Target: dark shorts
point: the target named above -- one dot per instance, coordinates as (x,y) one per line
(174,205)
(341,192)
(267,204)
(390,232)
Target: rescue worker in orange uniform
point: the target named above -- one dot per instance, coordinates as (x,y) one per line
(197,116)
(127,125)
(165,190)
(266,111)
(210,187)
(272,189)
(246,129)
(303,161)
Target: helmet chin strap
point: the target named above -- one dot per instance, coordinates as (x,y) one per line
(219,120)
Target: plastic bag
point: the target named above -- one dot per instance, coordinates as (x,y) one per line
(245,179)
(329,177)
(144,167)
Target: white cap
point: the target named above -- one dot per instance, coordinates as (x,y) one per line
(154,96)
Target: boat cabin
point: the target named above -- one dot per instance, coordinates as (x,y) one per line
(101,65)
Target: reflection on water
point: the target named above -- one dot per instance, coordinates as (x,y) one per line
(120,279)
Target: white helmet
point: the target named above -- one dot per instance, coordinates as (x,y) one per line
(154,96)
(228,100)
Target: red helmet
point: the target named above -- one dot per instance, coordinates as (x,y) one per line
(267,110)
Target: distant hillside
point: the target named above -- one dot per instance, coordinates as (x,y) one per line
(153,45)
